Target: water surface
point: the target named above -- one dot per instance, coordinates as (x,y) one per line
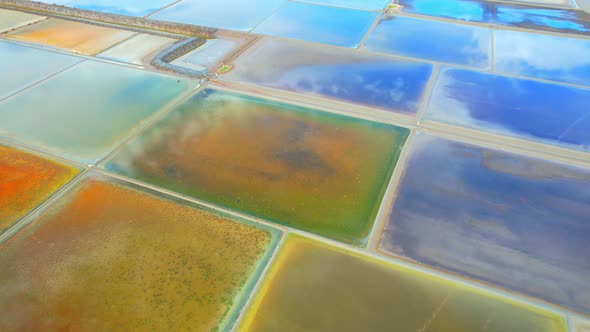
(312,170)
(71,35)
(110,256)
(360,78)
(242,15)
(84,112)
(512,221)
(320,24)
(431,40)
(337,290)
(27,180)
(542,56)
(22,66)
(541,112)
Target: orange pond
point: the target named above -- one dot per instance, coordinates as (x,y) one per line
(75,36)
(25,181)
(108,256)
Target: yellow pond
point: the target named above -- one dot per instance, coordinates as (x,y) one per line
(316,287)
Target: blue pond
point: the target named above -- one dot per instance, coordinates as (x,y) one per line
(122,7)
(542,56)
(550,19)
(430,40)
(543,112)
(240,15)
(352,4)
(375,81)
(320,24)
(514,221)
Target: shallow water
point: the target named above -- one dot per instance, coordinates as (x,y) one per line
(430,40)
(532,110)
(23,66)
(70,35)
(111,256)
(137,48)
(122,7)
(320,24)
(331,289)
(368,80)
(10,19)
(513,221)
(548,19)
(542,56)
(104,104)
(311,170)
(242,15)
(27,180)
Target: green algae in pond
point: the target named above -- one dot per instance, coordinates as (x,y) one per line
(109,256)
(313,286)
(312,170)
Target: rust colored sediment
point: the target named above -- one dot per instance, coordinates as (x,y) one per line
(25,181)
